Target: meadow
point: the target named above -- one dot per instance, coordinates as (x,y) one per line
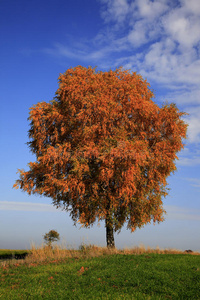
(11,254)
(100,273)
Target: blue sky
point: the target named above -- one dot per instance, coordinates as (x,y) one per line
(159,39)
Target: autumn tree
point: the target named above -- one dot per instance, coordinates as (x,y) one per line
(51,236)
(104,149)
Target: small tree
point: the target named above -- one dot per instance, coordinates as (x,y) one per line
(51,236)
(104,149)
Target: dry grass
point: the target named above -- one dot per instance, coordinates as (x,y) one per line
(142,250)
(45,254)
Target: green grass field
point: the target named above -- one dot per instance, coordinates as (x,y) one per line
(110,276)
(6,254)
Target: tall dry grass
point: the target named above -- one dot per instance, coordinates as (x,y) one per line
(46,254)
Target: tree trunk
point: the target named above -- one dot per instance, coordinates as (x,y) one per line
(109,234)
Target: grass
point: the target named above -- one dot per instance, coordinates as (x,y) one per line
(98,273)
(10,254)
(8,251)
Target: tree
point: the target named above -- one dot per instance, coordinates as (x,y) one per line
(104,149)
(51,236)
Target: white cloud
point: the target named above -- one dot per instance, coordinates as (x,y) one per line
(137,36)
(194,129)
(173,212)
(195,182)
(189,161)
(181,28)
(193,120)
(184,96)
(172,58)
(162,64)
(191,6)
(190,155)
(119,10)
(159,39)
(180,213)
(149,9)
(27,206)
(115,10)
(60,50)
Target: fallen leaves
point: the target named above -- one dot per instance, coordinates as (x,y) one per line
(82,270)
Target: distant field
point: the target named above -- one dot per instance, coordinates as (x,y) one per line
(108,276)
(9,254)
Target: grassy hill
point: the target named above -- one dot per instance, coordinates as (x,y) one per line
(96,273)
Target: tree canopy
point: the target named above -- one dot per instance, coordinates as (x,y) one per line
(51,236)
(104,149)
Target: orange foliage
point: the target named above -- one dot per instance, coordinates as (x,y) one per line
(103,147)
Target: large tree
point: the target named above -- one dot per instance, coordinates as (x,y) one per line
(104,149)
